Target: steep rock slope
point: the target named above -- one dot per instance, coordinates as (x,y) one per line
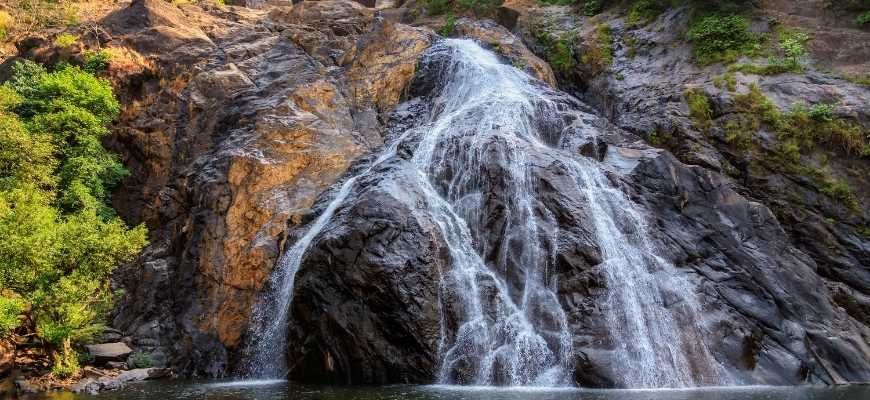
(238,121)
(364,292)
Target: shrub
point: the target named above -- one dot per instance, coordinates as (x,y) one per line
(774,66)
(792,43)
(699,108)
(66,362)
(448,27)
(10,308)
(592,7)
(558,50)
(6,23)
(599,49)
(863,18)
(65,40)
(140,360)
(96,61)
(822,112)
(642,12)
(800,128)
(33,15)
(721,38)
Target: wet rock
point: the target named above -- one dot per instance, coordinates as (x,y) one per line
(94,386)
(503,42)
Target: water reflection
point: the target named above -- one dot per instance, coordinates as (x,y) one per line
(281,390)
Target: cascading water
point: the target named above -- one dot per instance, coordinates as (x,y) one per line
(502,322)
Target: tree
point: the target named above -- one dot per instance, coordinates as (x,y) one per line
(61,239)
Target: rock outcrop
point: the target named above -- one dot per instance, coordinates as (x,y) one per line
(236,121)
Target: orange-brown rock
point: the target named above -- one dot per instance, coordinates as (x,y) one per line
(231,133)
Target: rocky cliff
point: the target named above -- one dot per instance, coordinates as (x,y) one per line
(238,123)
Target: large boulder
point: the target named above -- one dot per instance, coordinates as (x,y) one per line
(104,352)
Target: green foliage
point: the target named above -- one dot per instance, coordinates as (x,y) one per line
(558,50)
(61,241)
(592,7)
(774,66)
(599,48)
(792,42)
(719,38)
(73,108)
(858,79)
(822,112)
(140,360)
(726,80)
(791,46)
(863,18)
(66,362)
(6,23)
(699,108)
(818,125)
(96,61)
(642,12)
(10,308)
(65,40)
(798,130)
(448,27)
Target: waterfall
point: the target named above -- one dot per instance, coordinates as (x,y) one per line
(502,322)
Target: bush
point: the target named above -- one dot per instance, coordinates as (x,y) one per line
(592,7)
(599,48)
(721,38)
(10,308)
(448,27)
(33,15)
(66,362)
(863,18)
(65,40)
(822,112)
(643,11)
(140,360)
(699,108)
(558,50)
(97,61)
(6,23)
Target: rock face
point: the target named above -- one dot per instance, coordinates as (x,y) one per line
(240,123)
(769,316)
(236,122)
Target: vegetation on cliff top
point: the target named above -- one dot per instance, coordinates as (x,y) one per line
(61,238)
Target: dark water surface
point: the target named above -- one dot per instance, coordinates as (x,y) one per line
(275,390)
